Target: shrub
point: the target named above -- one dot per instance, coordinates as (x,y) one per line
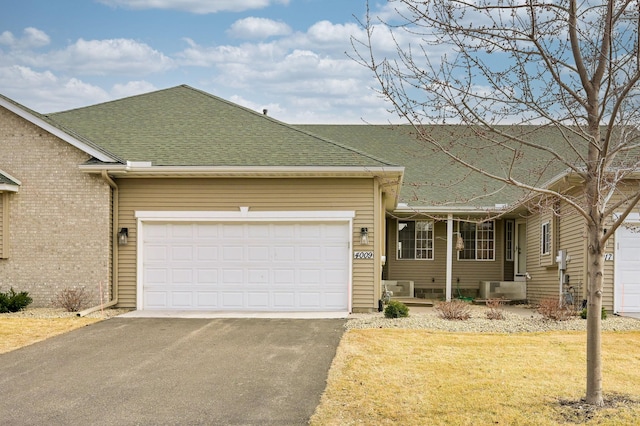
(14,302)
(603,314)
(552,309)
(495,311)
(454,310)
(71,299)
(396,309)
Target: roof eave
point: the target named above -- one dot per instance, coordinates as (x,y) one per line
(141,169)
(5,187)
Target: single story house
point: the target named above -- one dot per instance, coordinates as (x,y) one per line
(180,200)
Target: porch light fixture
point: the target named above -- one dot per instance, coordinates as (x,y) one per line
(123,236)
(364,236)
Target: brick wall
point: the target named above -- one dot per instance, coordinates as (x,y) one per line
(59,222)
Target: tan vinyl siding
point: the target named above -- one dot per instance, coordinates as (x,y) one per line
(259,195)
(4,224)
(429,276)
(572,238)
(544,280)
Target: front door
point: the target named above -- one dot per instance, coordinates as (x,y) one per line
(520,248)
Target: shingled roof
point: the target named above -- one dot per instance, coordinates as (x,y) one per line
(432,179)
(182,126)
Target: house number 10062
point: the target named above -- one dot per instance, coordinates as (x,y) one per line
(363,255)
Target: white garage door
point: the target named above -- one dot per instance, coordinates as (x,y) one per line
(251,266)
(627,268)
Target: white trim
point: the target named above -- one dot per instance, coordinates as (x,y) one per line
(542,238)
(242,215)
(9,188)
(56,131)
(146,169)
(631,218)
(246,216)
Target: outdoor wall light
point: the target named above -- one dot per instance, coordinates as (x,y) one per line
(364,236)
(123,236)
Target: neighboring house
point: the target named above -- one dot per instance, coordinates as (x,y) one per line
(55,220)
(519,245)
(177,199)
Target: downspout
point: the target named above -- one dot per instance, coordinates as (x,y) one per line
(114,244)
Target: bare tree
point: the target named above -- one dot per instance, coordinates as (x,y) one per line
(567,67)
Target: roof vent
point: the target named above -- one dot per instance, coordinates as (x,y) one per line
(264,111)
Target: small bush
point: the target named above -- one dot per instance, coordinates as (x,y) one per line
(396,309)
(454,310)
(14,302)
(71,299)
(495,311)
(552,309)
(603,314)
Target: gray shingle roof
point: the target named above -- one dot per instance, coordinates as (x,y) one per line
(182,126)
(433,179)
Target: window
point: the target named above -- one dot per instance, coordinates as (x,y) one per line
(478,241)
(509,227)
(415,239)
(545,242)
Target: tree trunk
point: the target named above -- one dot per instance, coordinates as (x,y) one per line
(595,265)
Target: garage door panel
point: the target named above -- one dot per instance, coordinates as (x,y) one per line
(207,299)
(181,299)
(284,300)
(246,266)
(232,300)
(257,300)
(258,253)
(207,253)
(310,299)
(259,276)
(207,276)
(284,277)
(310,277)
(627,270)
(155,299)
(155,253)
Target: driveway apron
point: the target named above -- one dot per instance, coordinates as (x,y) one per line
(169,371)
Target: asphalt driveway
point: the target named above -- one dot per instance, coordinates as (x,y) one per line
(168,371)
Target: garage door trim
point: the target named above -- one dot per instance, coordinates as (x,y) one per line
(244,216)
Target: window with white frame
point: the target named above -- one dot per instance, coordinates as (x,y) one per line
(479,241)
(415,239)
(509,229)
(545,238)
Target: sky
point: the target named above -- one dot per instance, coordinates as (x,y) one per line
(287,56)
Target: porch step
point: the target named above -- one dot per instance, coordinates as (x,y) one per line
(413,301)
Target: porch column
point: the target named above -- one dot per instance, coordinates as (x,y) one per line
(449,255)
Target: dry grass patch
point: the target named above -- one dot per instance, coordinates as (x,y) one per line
(18,332)
(417,377)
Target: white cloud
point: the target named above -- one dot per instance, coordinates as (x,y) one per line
(32,38)
(101,57)
(45,92)
(258,28)
(195,6)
